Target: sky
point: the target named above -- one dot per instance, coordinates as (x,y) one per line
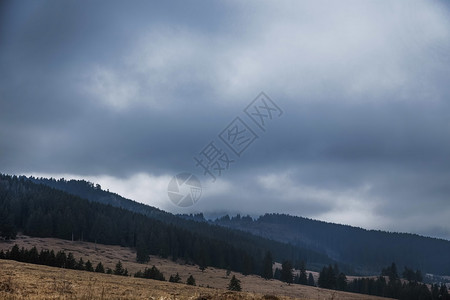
(127,94)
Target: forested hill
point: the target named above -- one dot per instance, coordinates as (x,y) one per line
(355,249)
(365,250)
(42,211)
(94,192)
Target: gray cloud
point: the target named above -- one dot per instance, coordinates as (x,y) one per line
(119,92)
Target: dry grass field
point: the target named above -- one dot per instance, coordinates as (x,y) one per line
(27,281)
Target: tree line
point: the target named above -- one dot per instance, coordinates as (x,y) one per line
(390,284)
(61,260)
(67,261)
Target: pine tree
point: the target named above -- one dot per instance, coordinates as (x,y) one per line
(286,272)
(15,253)
(434,291)
(33,255)
(99,268)
(341,282)
(80,264)
(302,279)
(61,259)
(311,280)
(190,280)
(444,292)
(235,284)
(88,266)
(119,270)
(70,262)
(175,278)
(391,272)
(327,278)
(52,259)
(152,273)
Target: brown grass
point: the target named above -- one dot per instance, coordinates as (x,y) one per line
(27,281)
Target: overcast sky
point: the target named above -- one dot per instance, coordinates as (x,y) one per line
(127,93)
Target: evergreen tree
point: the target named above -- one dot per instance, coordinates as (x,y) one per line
(88,266)
(434,291)
(190,280)
(175,278)
(341,282)
(99,268)
(70,262)
(443,292)
(119,270)
(22,255)
(33,256)
(52,259)
(267,272)
(286,272)
(302,278)
(15,253)
(391,272)
(235,284)
(61,259)
(311,280)
(332,276)
(327,278)
(152,273)
(80,264)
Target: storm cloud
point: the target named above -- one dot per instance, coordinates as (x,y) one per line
(126,94)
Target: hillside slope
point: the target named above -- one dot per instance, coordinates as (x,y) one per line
(366,250)
(358,251)
(39,282)
(41,211)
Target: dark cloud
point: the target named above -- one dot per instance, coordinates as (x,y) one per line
(128,94)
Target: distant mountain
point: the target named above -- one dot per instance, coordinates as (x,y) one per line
(365,250)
